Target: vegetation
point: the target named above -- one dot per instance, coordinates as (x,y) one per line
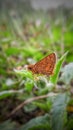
(36,102)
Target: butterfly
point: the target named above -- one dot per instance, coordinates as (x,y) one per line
(45,66)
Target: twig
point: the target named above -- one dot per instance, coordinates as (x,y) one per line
(29,101)
(11,91)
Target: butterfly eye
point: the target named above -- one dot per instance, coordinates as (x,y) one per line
(30,67)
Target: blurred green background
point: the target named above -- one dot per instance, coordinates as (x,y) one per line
(29,31)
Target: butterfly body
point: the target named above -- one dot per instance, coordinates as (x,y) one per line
(44,66)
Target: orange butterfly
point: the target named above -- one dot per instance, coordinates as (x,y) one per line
(44,66)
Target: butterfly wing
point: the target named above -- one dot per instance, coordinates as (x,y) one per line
(44,66)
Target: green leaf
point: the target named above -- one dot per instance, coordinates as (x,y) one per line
(8,93)
(67,73)
(54,77)
(7,125)
(24,73)
(59,115)
(29,84)
(12,51)
(46,106)
(29,107)
(70,124)
(38,123)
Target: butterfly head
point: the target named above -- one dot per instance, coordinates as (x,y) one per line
(30,67)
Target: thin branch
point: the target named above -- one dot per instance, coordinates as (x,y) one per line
(11,91)
(29,101)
